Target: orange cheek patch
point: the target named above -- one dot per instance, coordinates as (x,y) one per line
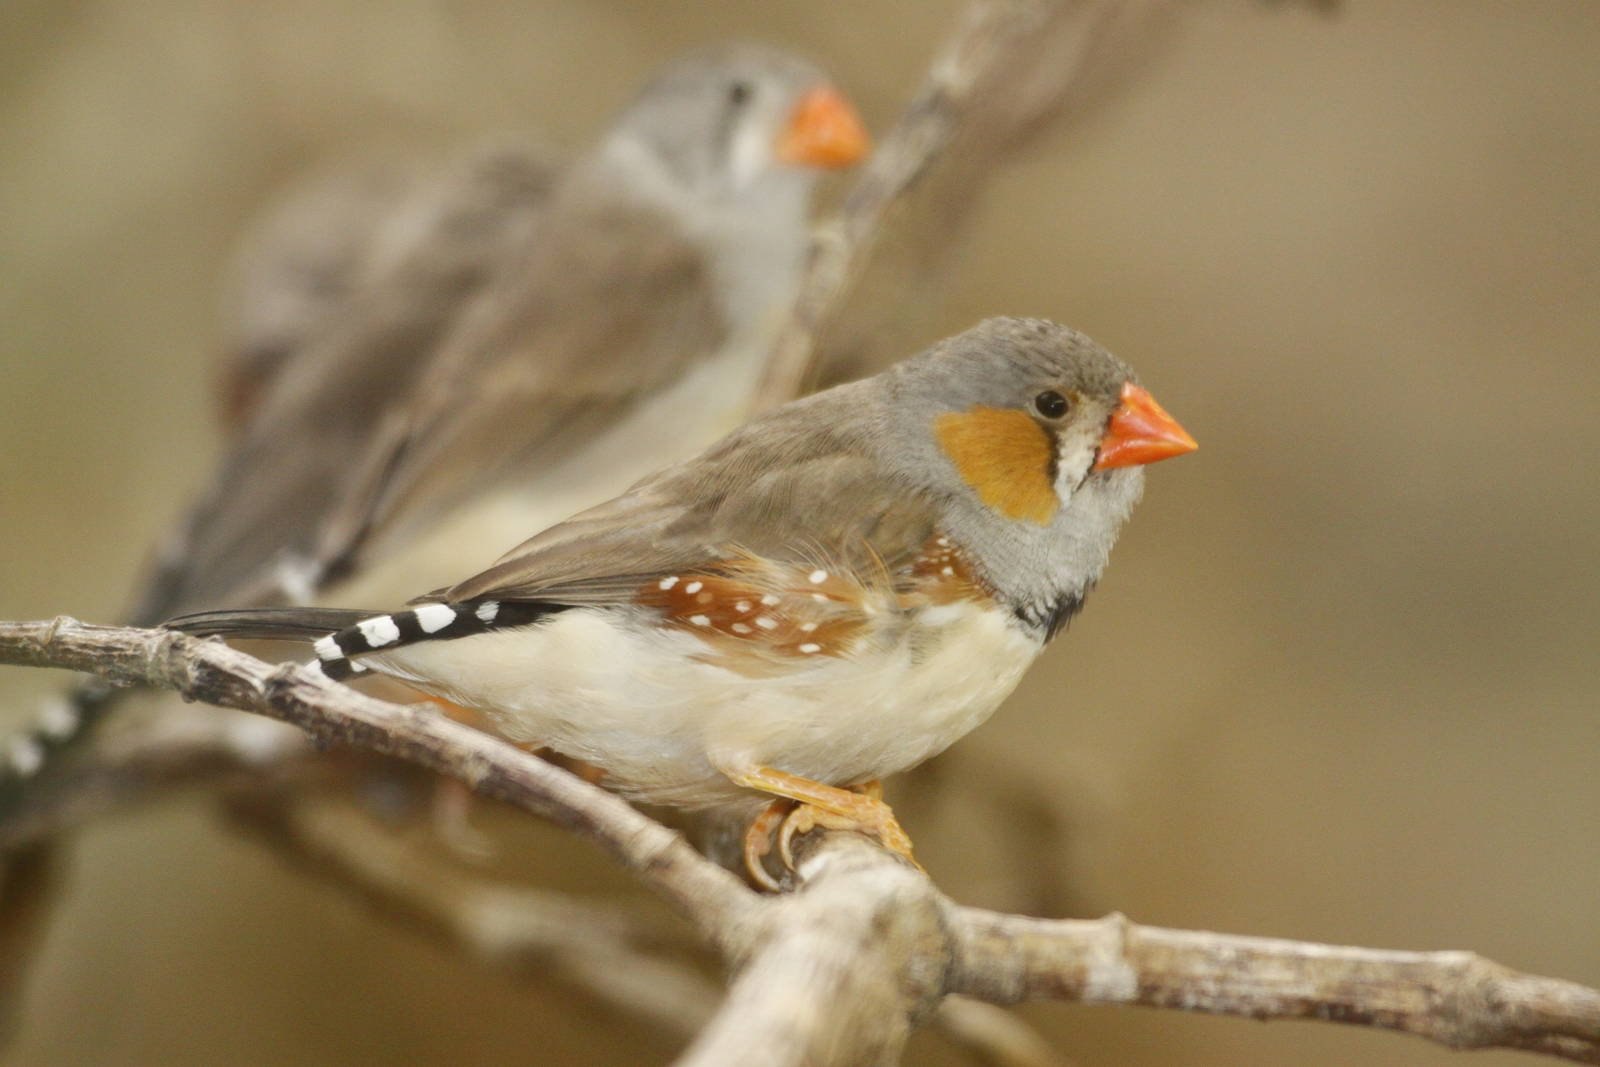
(1005,457)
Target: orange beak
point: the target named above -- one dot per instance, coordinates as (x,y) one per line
(1141,432)
(824,131)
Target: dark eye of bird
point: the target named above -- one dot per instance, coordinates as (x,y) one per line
(738,93)
(1050,404)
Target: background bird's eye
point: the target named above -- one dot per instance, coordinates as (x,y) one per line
(738,93)
(1050,404)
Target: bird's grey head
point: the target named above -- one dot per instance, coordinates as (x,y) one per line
(725,122)
(1035,437)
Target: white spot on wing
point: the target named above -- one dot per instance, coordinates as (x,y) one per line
(487,611)
(327,649)
(379,631)
(769,600)
(668,583)
(742,606)
(809,647)
(693,587)
(435,617)
(740,628)
(817,577)
(699,620)
(807,627)
(766,623)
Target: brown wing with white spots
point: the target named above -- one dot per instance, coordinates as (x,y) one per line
(756,615)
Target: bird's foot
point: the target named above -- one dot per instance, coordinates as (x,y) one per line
(867,814)
(758,843)
(805,805)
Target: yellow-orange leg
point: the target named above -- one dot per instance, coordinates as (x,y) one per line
(758,842)
(827,807)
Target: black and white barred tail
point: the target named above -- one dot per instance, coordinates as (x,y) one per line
(342,635)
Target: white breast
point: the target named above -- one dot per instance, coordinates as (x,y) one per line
(637,702)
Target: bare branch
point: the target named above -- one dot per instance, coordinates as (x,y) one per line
(716,902)
(841,970)
(1455,998)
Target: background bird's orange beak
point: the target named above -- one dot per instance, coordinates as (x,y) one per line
(1141,432)
(824,131)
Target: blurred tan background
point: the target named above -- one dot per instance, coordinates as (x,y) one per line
(1340,682)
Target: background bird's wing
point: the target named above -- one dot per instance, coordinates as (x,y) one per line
(356,354)
(800,487)
(609,305)
(299,268)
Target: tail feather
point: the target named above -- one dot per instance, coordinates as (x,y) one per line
(270,624)
(344,634)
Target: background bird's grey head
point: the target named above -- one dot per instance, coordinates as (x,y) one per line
(700,140)
(712,118)
(1008,363)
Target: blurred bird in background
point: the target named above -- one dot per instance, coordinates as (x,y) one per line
(428,365)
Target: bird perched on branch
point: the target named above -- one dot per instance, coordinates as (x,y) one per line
(526,342)
(833,593)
